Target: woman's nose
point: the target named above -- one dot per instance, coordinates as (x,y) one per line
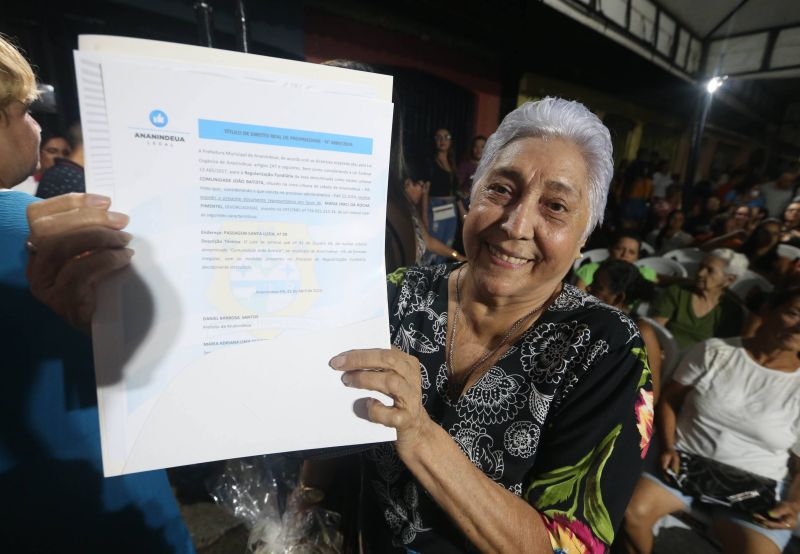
(520,220)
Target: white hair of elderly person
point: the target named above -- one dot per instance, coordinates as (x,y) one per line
(522,405)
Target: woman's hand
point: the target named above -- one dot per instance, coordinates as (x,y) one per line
(670,460)
(782,516)
(396,375)
(74,242)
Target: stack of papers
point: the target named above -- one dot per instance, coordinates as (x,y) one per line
(256,189)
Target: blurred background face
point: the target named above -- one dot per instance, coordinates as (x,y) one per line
(712,204)
(791,215)
(55,147)
(711,275)
(783,323)
(741,216)
(413,190)
(676,221)
(626,249)
(477,149)
(443,140)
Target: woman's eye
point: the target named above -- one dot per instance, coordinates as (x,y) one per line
(557,207)
(498,188)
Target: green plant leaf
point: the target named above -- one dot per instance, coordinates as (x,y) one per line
(594,510)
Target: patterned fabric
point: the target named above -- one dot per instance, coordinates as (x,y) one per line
(64,177)
(556,420)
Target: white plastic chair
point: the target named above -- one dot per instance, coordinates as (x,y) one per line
(595,255)
(683,255)
(748,281)
(663,266)
(788,251)
(646,249)
(670,353)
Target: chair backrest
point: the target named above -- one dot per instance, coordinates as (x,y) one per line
(691,268)
(596,255)
(646,250)
(663,266)
(748,281)
(683,255)
(670,353)
(788,251)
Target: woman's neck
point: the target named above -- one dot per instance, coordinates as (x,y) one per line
(443,160)
(488,308)
(766,352)
(711,295)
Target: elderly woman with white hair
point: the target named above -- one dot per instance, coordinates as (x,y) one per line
(697,312)
(523,406)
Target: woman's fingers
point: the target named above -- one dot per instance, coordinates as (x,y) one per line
(377,412)
(53,252)
(387,382)
(64,222)
(66,203)
(71,294)
(381,359)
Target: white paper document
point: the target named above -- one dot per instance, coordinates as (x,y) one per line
(257,191)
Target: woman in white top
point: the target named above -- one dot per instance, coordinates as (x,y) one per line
(736,401)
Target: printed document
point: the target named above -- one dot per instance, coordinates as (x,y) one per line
(256,190)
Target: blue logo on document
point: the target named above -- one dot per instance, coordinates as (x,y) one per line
(158,118)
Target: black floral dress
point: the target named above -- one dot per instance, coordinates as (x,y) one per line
(563,419)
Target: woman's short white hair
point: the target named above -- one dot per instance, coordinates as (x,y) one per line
(559,118)
(735,264)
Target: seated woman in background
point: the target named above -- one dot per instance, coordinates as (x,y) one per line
(620,284)
(626,247)
(761,249)
(694,313)
(671,235)
(736,401)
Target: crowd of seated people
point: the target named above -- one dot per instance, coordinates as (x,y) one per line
(733,316)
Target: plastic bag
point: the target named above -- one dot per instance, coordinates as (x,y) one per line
(282,517)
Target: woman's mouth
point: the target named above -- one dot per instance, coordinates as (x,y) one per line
(506,260)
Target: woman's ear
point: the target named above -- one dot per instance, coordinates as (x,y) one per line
(619,300)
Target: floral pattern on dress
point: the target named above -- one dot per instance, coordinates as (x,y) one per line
(571,298)
(539,404)
(495,398)
(401,501)
(644,419)
(551,348)
(478,446)
(522,438)
(571,536)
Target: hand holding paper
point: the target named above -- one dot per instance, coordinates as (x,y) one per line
(76,242)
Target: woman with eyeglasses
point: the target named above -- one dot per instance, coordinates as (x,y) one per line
(442,211)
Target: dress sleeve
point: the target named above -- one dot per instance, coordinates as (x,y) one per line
(593,447)
(666,305)
(693,366)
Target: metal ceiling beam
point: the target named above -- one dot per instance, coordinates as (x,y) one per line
(725,19)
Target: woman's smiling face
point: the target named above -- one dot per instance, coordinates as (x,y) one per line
(527,217)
